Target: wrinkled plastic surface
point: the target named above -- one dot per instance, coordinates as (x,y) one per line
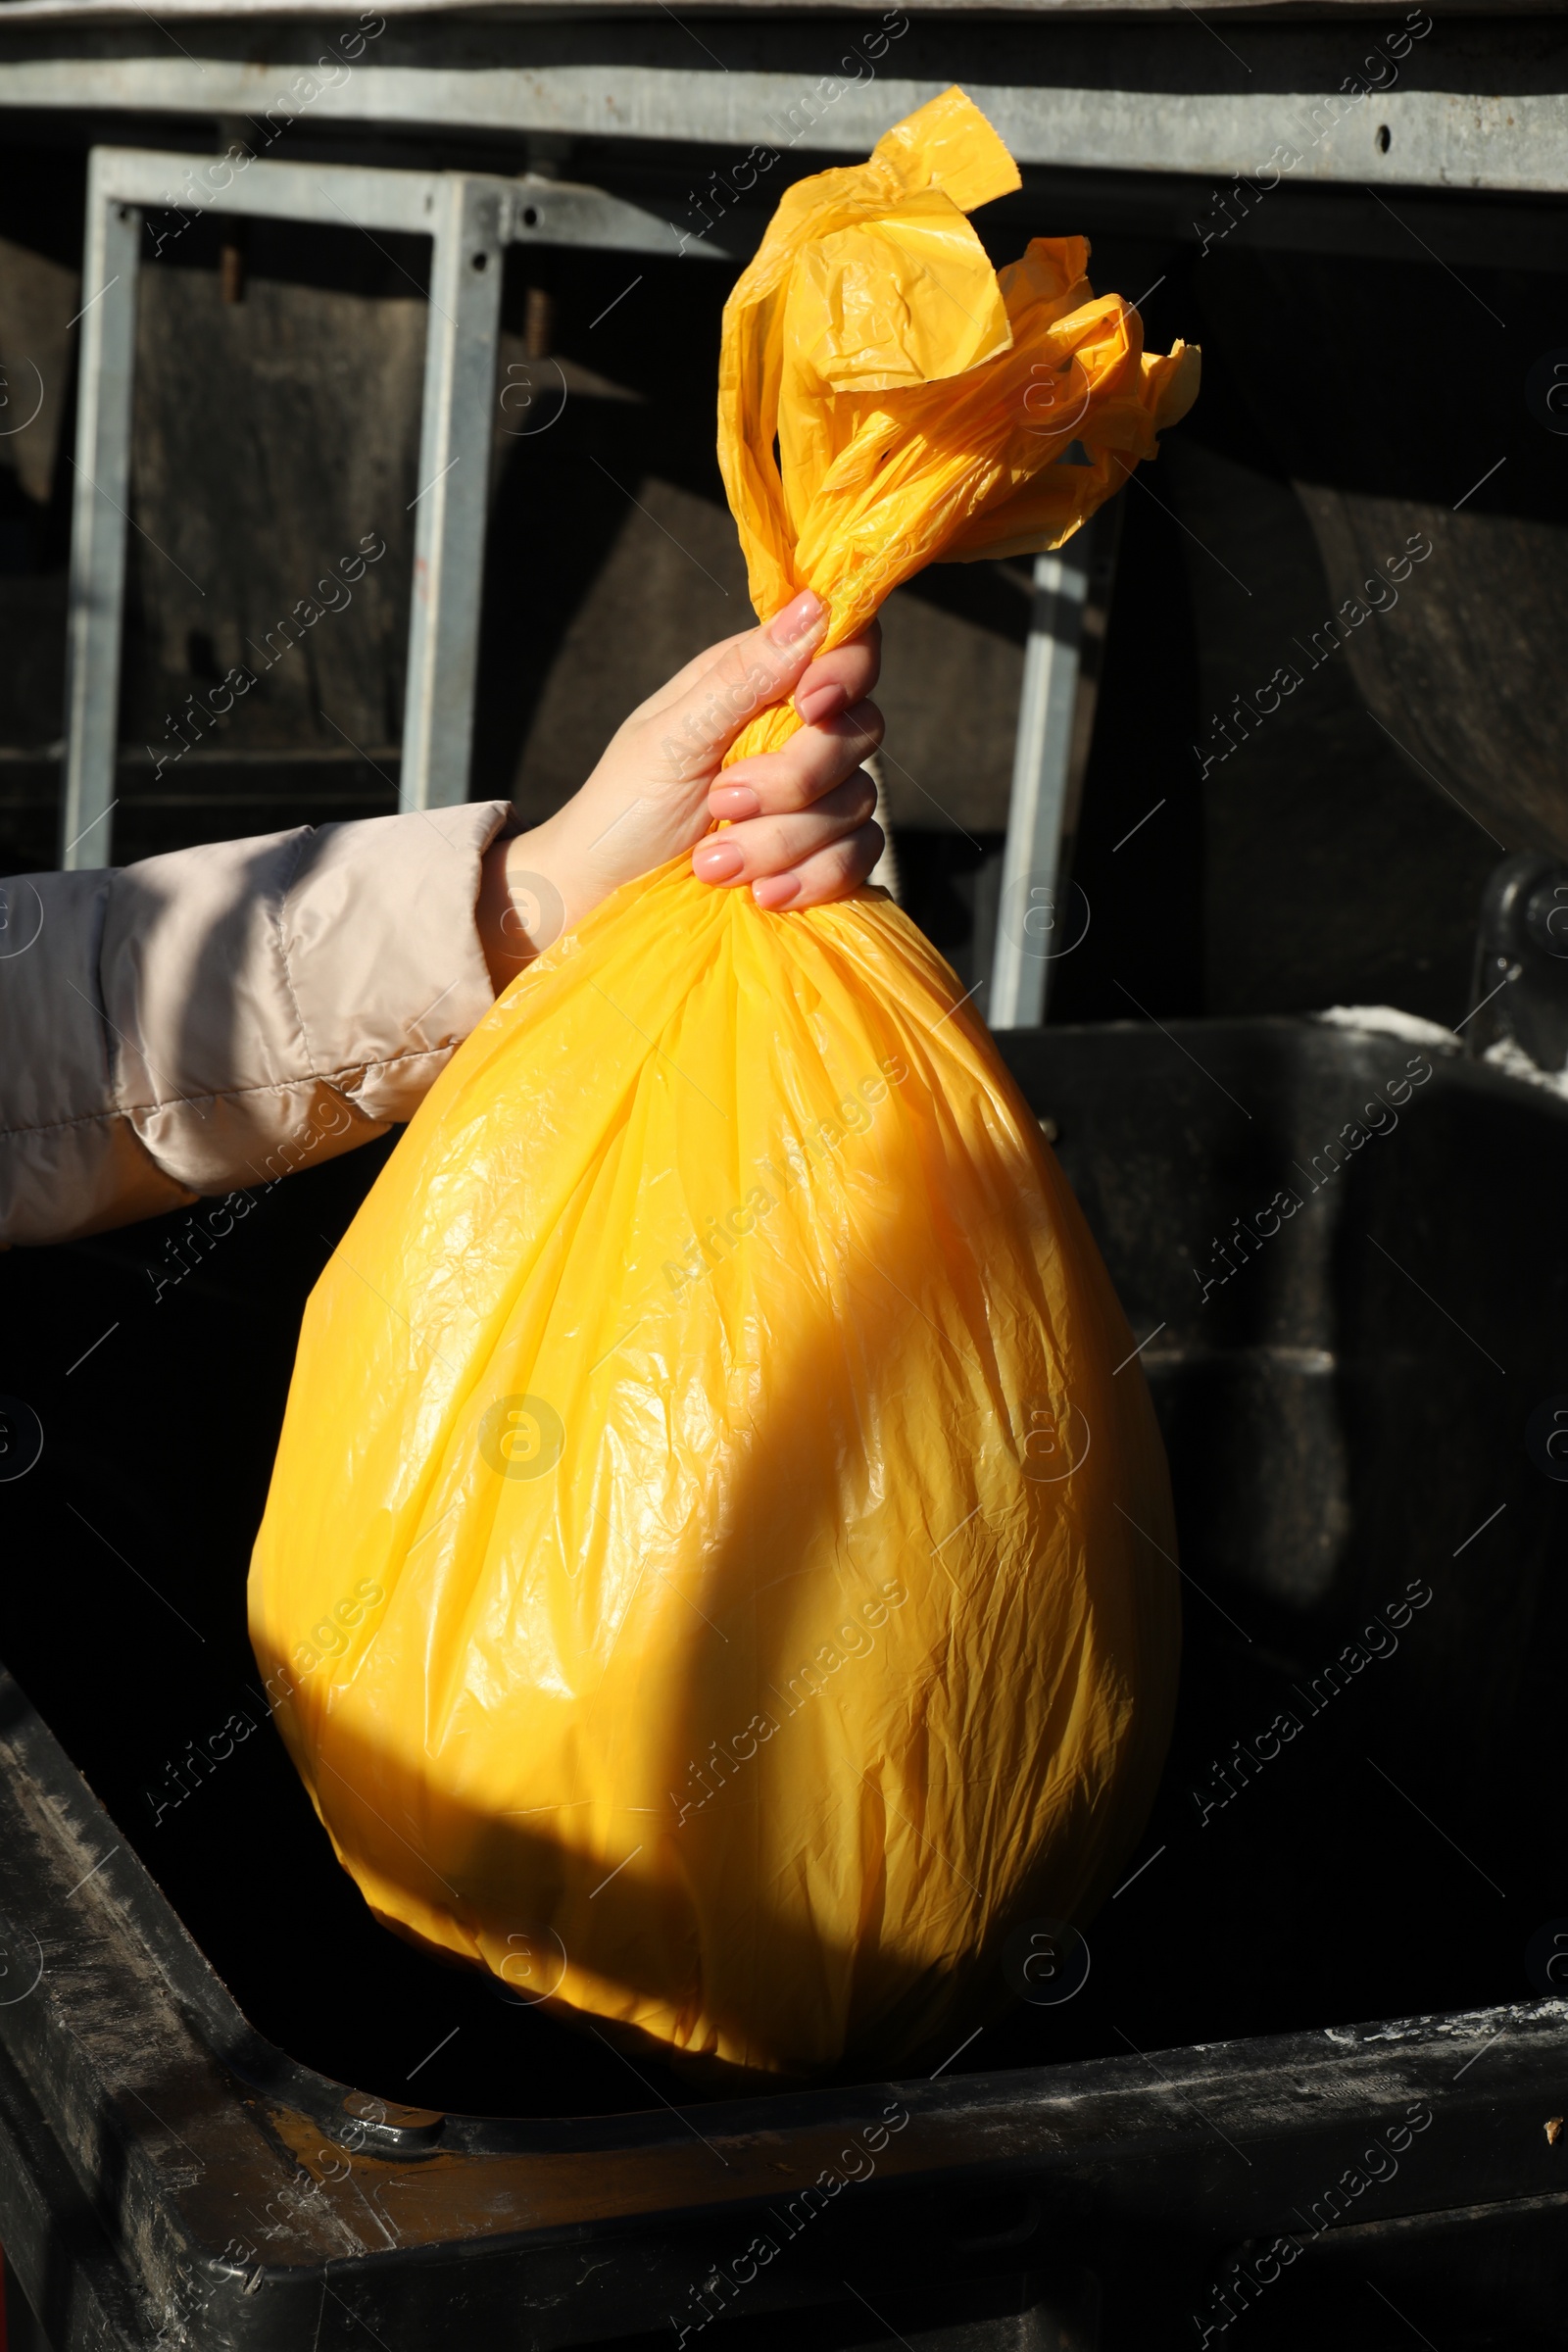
(717,1571)
(706,1465)
(926,407)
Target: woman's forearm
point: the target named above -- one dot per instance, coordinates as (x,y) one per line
(209,1020)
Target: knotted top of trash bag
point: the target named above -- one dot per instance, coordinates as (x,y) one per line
(887,400)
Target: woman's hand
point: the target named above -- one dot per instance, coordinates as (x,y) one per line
(800,830)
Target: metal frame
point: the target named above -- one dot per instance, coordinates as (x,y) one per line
(1458,115)
(1029,905)
(470,218)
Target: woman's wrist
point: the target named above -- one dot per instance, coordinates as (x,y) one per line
(519,909)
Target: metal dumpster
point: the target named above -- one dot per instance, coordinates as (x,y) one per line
(232,2111)
(1316,2074)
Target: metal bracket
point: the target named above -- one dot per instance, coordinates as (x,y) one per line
(470,218)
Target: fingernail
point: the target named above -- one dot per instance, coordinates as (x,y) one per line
(776,890)
(716,862)
(820,700)
(798,619)
(734,800)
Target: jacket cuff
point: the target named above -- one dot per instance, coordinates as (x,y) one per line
(276,1000)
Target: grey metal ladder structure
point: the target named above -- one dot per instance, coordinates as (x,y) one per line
(470,218)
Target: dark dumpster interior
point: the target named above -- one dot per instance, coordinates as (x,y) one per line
(1346,1412)
(1336,1436)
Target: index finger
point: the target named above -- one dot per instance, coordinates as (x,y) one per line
(754,673)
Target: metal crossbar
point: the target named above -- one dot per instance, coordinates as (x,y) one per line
(470,218)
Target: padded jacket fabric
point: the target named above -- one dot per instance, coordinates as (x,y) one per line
(210,1020)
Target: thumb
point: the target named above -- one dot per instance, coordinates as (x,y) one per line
(756,670)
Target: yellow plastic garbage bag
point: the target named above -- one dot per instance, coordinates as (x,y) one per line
(717,1571)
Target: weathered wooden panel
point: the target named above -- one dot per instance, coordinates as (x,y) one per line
(1470,682)
(1396,398)
(37,298)
(1333,871)
(273,437)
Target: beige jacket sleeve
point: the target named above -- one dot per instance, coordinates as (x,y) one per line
(213,1020)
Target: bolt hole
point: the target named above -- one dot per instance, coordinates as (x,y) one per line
(1385,138)
(124,209)
(531,216)
(481,261)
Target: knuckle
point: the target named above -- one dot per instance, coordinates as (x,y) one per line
(791,786)
(819,767)
(840,763)
(762,661)
(742,682)
(851,802)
